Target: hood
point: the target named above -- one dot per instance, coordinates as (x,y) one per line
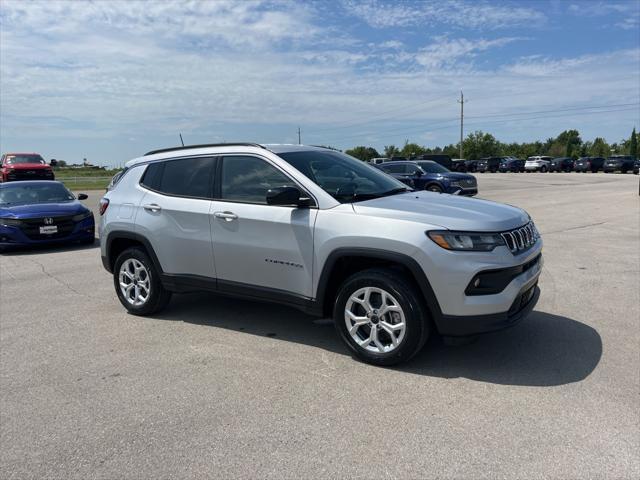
(446,211)
(29,166)
(42,210)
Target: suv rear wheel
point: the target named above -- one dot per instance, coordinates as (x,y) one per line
(381,317)
(138,284)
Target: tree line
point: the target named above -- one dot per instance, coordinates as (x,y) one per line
(479,144)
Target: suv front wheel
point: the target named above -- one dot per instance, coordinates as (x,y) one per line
(138,284)
(381,317)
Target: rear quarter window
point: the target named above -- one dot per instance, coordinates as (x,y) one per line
(188,177)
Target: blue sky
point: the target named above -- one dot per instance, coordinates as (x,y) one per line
(109,80)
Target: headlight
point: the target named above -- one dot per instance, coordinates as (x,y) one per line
(455,183)
(82,216)
(469,241)
(10,222)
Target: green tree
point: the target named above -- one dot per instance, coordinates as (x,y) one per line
(633,144)
(570,140)
(600,148)
(479,144)
(556,150)
(412,149)
(363,153)
(452,150)
(391,151)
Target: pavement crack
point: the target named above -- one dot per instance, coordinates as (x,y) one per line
(52,276)
(574,228)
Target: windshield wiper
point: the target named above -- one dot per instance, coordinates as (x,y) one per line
(358,197)
(393,191)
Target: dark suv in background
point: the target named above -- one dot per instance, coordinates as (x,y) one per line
(622,163)
(561,164)
(592,164)
(428,175)
(489,164)
(510,164)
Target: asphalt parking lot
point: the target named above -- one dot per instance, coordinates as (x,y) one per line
(224,388)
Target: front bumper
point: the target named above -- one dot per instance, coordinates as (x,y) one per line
(464,192)
(459,326)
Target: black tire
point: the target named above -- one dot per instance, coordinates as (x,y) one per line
(433,188)
(412,305)
(543,169)
(158,297)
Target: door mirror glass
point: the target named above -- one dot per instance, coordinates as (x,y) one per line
(289,196)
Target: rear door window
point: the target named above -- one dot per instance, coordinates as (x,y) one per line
(401,168)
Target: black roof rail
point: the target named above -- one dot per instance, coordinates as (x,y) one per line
(205,145)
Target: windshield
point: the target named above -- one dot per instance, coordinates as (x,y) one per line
(343,177)
(27,194)
(432,167)
(16,159)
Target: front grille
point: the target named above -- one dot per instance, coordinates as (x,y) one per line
(467,182)
(31,175)
(31,227)
(522,238)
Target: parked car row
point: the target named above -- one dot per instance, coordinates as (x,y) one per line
(537,163)
(35,209)
(540,163)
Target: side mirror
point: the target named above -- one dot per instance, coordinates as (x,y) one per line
(82,196)
(286,196)
(417,173)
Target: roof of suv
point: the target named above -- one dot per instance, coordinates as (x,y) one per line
(218,147)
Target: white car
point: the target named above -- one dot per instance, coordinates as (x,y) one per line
(537,164)
(377,161)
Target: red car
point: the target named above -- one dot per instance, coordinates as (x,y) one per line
(24,166)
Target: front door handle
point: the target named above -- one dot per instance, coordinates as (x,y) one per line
(227,216)
(152,207)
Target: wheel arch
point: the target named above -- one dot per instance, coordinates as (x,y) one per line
(432,183)
(343,262)
(118,241)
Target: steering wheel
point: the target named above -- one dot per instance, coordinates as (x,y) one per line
(348,189)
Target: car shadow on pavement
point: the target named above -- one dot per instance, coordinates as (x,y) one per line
(50,248)
(543,350)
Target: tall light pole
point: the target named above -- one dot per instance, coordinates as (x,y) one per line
(299,142)
(461,102)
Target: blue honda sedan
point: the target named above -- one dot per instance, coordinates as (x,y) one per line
(429,175)
(41,212)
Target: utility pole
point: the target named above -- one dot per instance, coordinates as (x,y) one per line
(299,142)
(181,141)
(461,102)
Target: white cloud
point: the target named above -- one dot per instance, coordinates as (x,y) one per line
(108,70)
(468,14)
(627,13)
(448,52)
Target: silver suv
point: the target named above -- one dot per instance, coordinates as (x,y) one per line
(321,231)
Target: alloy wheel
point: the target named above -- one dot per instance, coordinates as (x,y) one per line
(135,283)
(375,320)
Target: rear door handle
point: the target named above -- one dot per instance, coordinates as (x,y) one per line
(227,216)
(152,207)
